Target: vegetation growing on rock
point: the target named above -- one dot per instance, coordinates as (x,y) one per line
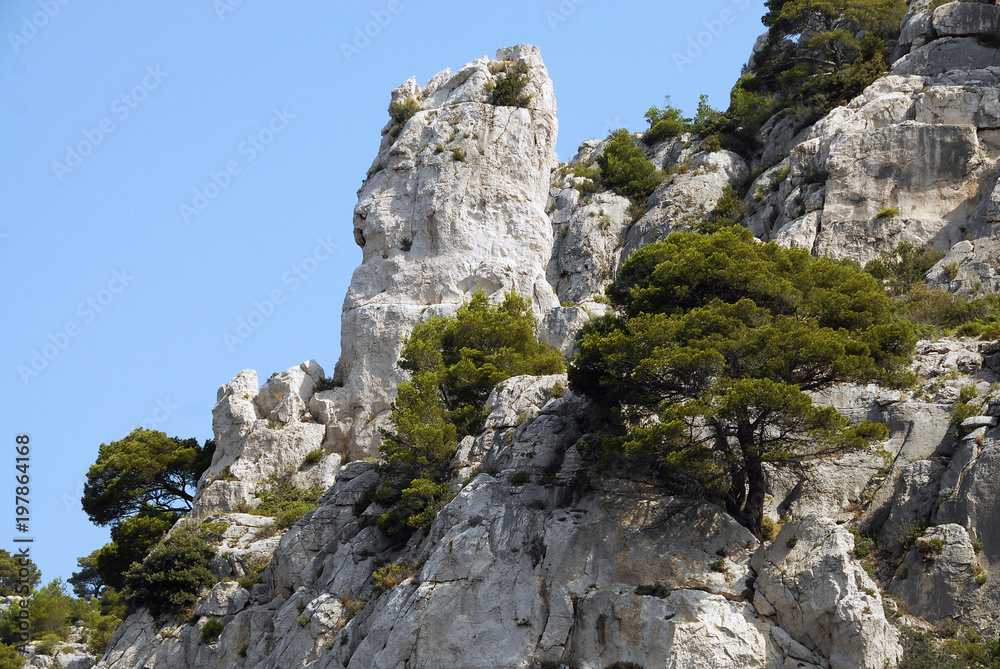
(455,363)
(702,371)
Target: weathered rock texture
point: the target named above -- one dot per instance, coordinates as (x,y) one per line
(525,566)
(455,202)
(914,158)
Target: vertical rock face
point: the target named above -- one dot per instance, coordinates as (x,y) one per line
(455,201)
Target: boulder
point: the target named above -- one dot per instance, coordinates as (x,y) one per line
(822,598)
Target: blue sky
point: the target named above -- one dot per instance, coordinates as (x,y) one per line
(170,167)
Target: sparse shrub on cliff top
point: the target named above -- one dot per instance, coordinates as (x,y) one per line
(625,168)
(508,89)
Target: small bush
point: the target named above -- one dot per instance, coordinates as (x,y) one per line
(169,578)
(327,383)
(980,574)
(211,631)
(508,89)
(768,529)
(929,549)
(863,544)
(312,457)
(520,477)
(793,542)
(49,645)
(212,532)
(405,244)
(718,565)
(224,474)
(887,212)
(458,153)
(951,270)
(390,575)
(286,503)
(625,168)
(401,112)
(665,123)
(349,609)
(558,390)
(252,577)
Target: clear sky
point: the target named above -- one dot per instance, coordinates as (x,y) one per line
(128,252)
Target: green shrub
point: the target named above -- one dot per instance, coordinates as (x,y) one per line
(508,89)
(665,123)
(888,212)
(390,575)
(252,575)
(212,532)
(10,658)
(286,503)
(625,168)
(98,633)
(728,211)
(211,631)
(401,112)
(350,608)
(327,383)
(863,544)
(558,389)
(980,574)
(312,457)
(793,542)
(405,244)
(928,549)
(49,645)
(768,529)
(455,364)
(901,269)
(458,153)
(520,477)
(170,577)
(951,270)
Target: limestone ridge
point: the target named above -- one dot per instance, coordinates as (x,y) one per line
(455,202)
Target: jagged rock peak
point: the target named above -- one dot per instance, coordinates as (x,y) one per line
(455,201)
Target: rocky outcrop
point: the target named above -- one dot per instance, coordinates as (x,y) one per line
(937,577)
(825,601)
(263,436)
(455,201)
